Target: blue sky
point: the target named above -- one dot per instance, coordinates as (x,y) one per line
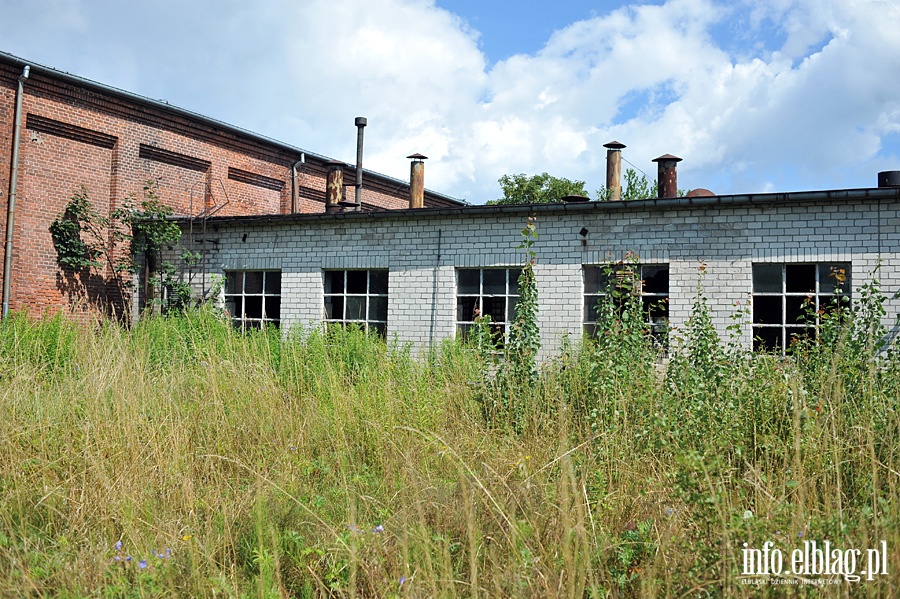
(754,95)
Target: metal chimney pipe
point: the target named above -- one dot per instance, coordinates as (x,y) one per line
(889,179)
(614,170)
(417,181)
(360,125)
(334,185)
(667,176)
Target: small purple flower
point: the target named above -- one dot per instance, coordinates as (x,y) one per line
(142,564)
(402,580)
(118,545)
(168,553)
(128,558)
(800,534)
(378,529)
(118,558)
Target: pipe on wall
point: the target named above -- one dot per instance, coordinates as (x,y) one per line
(295,188)
(13,183)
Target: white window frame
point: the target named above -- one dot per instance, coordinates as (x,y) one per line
(820,298)
(269,299)
(370,298)
(655,303)
(509,297)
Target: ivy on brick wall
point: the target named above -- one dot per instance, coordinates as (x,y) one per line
(86,241)
(78,221)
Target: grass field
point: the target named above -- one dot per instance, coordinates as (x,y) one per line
(180,458)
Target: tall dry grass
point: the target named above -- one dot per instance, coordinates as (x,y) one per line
(316,465)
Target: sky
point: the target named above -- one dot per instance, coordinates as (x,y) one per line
(754,95)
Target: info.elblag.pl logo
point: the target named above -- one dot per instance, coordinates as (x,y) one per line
(815,558)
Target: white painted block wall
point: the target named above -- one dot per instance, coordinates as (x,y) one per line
(422,251)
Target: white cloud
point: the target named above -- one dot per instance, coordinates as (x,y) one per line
(809,98)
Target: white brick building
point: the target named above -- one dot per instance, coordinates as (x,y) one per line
(419,274)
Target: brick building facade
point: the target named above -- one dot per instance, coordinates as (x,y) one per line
(418,275)
(77,132)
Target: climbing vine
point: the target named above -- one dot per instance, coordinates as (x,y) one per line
(86,241)
(524,333)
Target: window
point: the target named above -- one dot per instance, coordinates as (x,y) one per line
(357,296)
(486,292)
(649,281)
(253,298)
(789,299)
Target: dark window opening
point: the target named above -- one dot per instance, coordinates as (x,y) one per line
(649,281)
(253,298)
(790,300)
(486,292)
(357,298)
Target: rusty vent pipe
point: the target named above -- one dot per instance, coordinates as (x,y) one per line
(417,180)
(614,170)
(889,179)
(334,186)
(667,176)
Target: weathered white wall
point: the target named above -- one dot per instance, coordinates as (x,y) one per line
(423,249)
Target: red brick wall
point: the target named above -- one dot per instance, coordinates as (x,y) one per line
(80,136)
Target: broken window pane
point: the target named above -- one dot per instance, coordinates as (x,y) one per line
(655,279)
(273,283)
(356,281)
(767,338)
(800,278)
(378,308)
(356,308)
(334,281)
(465,308)
(767,309)
(233,282)
(378,282)
(834,277)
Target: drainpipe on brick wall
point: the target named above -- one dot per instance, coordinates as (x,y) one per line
(13,182)
(295,188)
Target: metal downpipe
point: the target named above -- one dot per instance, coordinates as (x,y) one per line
(13,183)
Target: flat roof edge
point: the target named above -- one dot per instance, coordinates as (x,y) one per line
(876,193)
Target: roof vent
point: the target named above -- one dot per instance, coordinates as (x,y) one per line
(889,179)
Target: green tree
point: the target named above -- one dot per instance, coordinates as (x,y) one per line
(537,189)
(636,187)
